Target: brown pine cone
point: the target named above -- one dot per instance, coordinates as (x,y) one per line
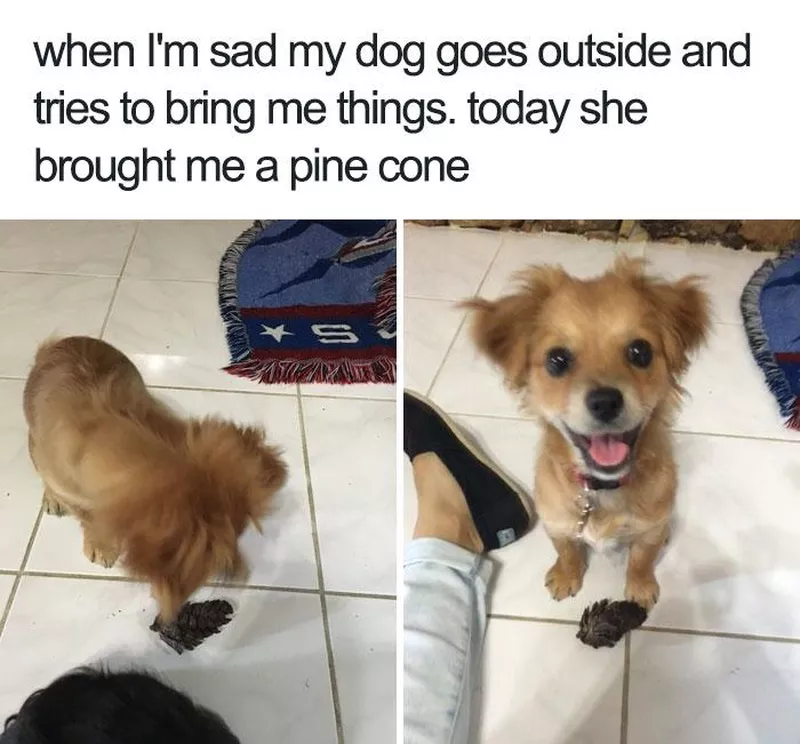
(606,622)
(196,621)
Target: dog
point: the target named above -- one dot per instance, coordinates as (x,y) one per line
(171,496)
(95,706)
(599,363)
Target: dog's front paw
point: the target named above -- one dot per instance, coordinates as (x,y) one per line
(642,589)
(101,556)
(52,506)
(563,581)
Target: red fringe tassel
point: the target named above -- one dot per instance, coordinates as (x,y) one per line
(332,371)
(793,422)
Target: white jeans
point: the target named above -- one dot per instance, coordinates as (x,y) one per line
(444,625)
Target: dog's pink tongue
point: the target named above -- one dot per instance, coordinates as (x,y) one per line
(607,451)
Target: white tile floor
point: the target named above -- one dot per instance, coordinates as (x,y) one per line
(296,664)
(719,661)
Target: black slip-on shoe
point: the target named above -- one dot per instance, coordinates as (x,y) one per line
(497,505)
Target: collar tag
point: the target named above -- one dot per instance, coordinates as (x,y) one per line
(587,498)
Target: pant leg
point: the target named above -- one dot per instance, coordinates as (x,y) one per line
(444,626)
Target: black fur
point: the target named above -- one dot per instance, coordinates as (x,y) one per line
(95,706)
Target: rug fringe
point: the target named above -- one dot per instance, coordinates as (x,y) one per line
(385,288)
(793,422)
(335,372)
(750,306)
(235,330)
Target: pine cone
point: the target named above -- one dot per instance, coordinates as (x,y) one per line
(606,622)
(196,621)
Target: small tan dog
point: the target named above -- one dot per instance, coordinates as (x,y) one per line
(599,363)
(172,496)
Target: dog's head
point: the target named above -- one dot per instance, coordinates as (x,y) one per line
(186,529)
(595,358)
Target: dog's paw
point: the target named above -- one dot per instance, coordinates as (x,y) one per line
(642,589)
(102,557)
(563,582)
(52,507)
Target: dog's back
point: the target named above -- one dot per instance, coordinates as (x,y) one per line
(97,707)
(92,422)
(75,375)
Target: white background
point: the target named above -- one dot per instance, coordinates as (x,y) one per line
(718,143)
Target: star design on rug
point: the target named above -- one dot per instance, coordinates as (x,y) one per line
(277,332)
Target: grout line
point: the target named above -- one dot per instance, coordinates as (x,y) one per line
(542,620)
(35,573)
(119,280)
(390,399)
(287,394)
(450,346)
(463,321)
(657,629)
(719,634)
(523,419)
(7,609)
(337,712)
(362,595)
(443,300)
(301,590)
(734,436)
(171,280)
(13,593)
(626,677)
(73,274)
(31,540)
(265,588)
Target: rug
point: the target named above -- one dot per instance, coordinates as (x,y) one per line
(770,307)
(311,301)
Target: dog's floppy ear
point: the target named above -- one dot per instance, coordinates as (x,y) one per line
(684,311)
(503,329)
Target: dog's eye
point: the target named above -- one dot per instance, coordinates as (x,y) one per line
(558,361)
(640,353)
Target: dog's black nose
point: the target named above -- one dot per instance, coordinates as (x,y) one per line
(604,403)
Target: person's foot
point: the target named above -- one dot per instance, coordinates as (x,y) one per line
(463,498)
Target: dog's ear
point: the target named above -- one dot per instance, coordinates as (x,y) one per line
(684,311)
(503,329)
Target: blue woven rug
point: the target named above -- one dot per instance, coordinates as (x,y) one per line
(311,301)
(770,307)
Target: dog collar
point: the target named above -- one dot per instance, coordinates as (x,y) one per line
(591,483)
(589,486)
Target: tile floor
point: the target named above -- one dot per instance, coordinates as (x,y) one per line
(310,654)
(719,660)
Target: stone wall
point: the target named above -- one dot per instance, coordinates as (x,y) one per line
(752,234)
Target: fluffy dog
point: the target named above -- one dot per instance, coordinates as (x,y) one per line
(94,706)
(599,362)
(171,496)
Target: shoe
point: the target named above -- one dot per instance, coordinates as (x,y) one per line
(496,504)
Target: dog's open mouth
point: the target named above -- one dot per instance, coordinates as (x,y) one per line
(607,452)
